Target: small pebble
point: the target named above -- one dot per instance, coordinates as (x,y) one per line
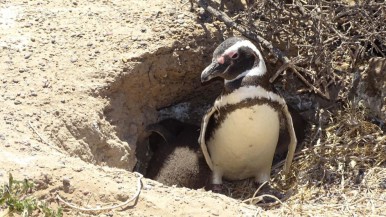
(74,59)
(66,181)
(122,197)
(78,169)
(27,55)
(147,187)
(22,70)
(172,12)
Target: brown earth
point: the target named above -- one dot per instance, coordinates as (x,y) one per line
(80,80)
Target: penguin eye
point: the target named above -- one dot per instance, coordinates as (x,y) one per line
(235,56)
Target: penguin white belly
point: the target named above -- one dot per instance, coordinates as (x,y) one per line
(243,145)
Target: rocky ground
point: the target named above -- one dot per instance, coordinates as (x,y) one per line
(79,80)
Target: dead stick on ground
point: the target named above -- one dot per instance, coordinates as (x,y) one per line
(260,198)
(135,196)
(33,128)
(41,137)
(254,195)
(294,69)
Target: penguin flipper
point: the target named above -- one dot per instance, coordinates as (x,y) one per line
(293,140)
(162,131)
(201,139)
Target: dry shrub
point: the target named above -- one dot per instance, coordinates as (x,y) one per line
(342,169)
(339,151)
(325,40)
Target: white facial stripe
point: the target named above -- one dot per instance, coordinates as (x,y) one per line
(239,44)
(248,92)
(259,70)
(239,76)
(256,71)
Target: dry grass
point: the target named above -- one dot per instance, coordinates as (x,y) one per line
(342,169)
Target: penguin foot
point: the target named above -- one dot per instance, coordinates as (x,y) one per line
(217,188)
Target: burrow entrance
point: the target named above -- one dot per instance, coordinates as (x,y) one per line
(157,86)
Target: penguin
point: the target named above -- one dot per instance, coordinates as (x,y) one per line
(175,158)
(240,132)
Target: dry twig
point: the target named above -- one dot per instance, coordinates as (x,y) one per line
(42,139)
(134,197)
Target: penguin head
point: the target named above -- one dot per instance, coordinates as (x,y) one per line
(234,58)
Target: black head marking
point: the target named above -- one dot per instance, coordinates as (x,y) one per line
(232,59)
(246,60)
(225,45)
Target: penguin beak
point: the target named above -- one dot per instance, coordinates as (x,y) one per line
(211,71)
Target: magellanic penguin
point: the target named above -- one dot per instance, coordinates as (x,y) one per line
(240,132)
(177,159)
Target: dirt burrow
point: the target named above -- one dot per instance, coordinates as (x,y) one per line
(155,86)
(89,76)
